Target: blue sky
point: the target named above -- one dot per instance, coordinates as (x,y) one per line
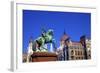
(75,24)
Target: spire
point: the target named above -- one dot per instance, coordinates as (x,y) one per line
(65,36)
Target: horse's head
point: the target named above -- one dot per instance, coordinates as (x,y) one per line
(50,32)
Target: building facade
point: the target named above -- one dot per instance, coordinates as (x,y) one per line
(74,50)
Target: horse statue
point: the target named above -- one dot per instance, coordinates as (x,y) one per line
(40,42)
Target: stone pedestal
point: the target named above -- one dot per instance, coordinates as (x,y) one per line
(43,56)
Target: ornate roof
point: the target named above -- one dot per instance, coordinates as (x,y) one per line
(64,37)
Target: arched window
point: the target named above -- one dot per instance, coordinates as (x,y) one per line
(72,52)
(78,52)
(75,52)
